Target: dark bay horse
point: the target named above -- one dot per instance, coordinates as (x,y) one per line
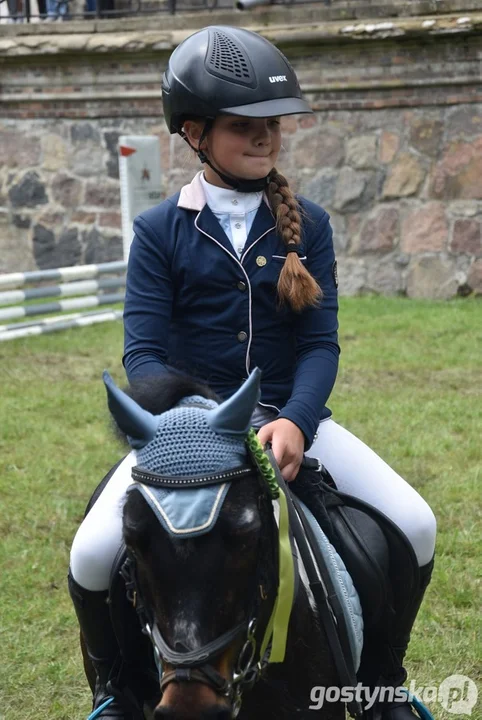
(205,598)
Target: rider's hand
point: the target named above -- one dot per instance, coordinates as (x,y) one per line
(288,444)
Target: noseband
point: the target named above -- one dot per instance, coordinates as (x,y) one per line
(196,665)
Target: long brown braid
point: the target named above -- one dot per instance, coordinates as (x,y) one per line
(296,285)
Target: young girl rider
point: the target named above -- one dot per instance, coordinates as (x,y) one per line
(231,273)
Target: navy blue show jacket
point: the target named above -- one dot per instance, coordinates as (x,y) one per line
(193,305)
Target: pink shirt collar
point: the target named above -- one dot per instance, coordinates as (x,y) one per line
(193,197)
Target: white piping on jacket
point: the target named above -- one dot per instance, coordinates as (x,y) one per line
(247,360)
(283,257)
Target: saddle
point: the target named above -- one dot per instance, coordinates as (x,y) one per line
(376,553)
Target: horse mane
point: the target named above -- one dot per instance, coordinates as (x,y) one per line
(159,393)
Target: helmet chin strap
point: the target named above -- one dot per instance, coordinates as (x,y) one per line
(243,186)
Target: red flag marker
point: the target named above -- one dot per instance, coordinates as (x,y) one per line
(126,151)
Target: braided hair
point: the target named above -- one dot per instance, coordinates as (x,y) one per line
(296,285)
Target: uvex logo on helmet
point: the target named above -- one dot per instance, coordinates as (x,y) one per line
(277,78)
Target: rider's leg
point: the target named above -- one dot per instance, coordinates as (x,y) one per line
(93,552)
(358,471)
(99,537)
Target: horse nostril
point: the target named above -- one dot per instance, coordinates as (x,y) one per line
(218,713)
(164,713)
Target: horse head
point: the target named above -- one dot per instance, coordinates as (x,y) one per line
(198,527)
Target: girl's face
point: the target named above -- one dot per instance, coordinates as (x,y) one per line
(246,148)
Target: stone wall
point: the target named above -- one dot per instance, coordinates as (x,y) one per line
(393,151)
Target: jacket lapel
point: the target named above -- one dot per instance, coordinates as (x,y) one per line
(208,224)
(263,223)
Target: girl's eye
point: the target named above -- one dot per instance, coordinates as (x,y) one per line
(245,124)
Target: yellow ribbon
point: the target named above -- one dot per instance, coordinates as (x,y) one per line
(280,617)
(277,627)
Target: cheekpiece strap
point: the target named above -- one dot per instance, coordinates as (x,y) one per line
(147,477)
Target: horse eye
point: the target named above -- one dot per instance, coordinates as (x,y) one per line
(241,539)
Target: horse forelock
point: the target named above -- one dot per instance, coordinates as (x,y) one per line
(162,392)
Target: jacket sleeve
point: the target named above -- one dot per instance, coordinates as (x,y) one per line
(317,348)
(148,304)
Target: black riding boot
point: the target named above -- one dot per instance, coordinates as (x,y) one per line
(101,644)
(382,658)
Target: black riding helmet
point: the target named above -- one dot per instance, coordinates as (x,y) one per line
(232,71)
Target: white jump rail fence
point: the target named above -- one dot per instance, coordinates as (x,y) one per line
(78,283)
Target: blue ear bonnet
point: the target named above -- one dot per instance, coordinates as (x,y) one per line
(185,444)
(195,438)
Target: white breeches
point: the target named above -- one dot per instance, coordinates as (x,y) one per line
(356,469)
(359,471)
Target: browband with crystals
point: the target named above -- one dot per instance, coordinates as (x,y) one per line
(140,474)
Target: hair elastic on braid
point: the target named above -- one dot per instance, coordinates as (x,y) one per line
(293,247)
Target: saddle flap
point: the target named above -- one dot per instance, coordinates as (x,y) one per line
(376,553)
(364,549)
(368,540)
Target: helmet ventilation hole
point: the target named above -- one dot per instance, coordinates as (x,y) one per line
(227,60)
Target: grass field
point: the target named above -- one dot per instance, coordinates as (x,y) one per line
(409,385)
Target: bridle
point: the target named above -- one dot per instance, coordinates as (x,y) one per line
(196,665)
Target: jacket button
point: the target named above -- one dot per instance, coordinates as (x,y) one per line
(242,336)
(241,285)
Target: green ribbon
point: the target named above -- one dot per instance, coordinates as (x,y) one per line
(277,627)
(262,461)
